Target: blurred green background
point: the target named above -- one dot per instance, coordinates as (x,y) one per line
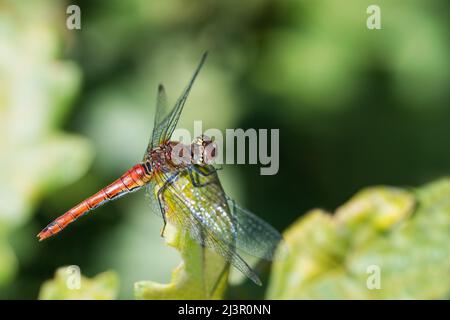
(355,107)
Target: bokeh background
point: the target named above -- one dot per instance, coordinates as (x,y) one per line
(355,107)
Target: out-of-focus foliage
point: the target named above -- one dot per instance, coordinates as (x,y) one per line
(401,236)
(201,275)
(323,56)
(66,286)
(36,91)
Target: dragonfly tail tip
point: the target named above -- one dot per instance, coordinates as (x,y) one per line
(41,236)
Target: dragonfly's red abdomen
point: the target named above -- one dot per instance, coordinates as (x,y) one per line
(130,181)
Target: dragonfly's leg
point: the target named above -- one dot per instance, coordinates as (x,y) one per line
(195,181)
(207,173)
(161,199)
(163,212)
(199,172)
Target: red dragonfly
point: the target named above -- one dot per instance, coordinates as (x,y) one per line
(189,193)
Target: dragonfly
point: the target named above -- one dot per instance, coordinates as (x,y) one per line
(183,182)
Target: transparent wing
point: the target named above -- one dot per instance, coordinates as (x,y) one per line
(207,222)
(197,202)
(161,110)
(165,124)
(254,236)
(210,285)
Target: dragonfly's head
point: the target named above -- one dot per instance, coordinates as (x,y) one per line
(204,150)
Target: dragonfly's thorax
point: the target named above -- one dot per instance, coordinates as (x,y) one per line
(174,154)
(160,158)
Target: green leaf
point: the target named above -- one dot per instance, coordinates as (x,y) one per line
(201,275)
(401,236)
(69,284)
